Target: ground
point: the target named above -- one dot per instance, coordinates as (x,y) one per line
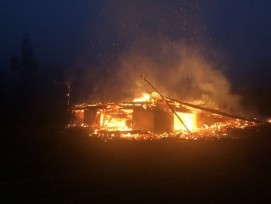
(50,166)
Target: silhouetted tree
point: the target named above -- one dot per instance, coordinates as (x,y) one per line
(28,62)
(14,62)
(1,86)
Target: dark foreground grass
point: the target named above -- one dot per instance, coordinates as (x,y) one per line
(49,166)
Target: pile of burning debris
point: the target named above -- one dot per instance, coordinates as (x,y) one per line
(154,116)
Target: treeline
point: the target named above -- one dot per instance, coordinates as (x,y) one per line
(29,96)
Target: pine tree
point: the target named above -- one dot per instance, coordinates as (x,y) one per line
(28,62)
(14,62)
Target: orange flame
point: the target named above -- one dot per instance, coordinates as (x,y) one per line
(116,121)
(189,119)
(119,119)
(145,97)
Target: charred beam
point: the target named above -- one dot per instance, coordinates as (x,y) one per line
(210,110)
(166,101)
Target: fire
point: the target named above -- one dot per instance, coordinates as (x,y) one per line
(149,117)
(189,119)
(144,97)
(114,121)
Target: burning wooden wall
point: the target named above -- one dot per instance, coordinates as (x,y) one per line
(137,116)
(153,115)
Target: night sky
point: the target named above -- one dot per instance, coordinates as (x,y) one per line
(96,32)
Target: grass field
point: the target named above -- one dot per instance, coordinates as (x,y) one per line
(50,166)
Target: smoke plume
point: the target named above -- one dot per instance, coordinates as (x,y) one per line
(178,64)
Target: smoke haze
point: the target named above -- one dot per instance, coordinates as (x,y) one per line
(179,64)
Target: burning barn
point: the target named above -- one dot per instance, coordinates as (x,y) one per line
(152,115)
(139,115)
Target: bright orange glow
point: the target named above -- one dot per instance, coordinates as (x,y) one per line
(145,97)
(189,119)
(129,119)
(115,121)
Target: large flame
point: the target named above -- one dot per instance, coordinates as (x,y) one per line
(122,119)
(115,120)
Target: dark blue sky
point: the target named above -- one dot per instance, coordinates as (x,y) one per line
(68,31)
(58,29)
